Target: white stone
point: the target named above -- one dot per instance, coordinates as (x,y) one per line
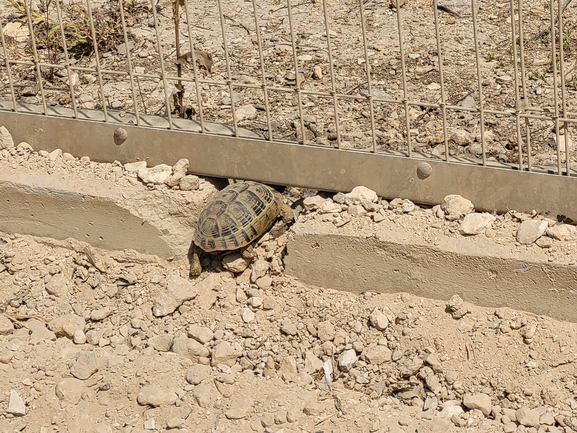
(479,401)
(456,206)
(189,182)
(178,171)
(201,334)
(245,112)
(527,417)
(224,353)
(347,359)
(362,193)
(530,230)
(562,232)
(476,223)
(176,292)
(247,315)
(134,167)
(378,320)
(16,405)
(70,390)
(330,207)
(155,175)
(6,141)
(66,325)
(235,263)
(313,203)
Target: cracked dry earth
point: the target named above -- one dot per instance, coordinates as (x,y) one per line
(97,341)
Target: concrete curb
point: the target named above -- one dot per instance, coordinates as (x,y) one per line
(100,213)
(390,262)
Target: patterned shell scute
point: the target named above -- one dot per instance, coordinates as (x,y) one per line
(236,216)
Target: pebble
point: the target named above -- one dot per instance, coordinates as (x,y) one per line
(530,230)
(259,269)
(255,301)
(378,320)
(329,207)
(360,193)
(16,405)
(55,154)
(202,334)
(562,232)
(178,171)
(454,206)
(288,327)
(313,203)
(244,112)
(235,263)
(240,407)
(527,417)
(66,325)
(264,283)
(479,401)
(197,373)
(134,167)
(224,353)
(154,395)
(347,360)
(70,390)
(6,141)
(325,331)
(189,183)
(247,315)
(79,337)
(100,314)
(376,354)
(156,175)
(189,348)
(6,325)
(57,285)
(476,223)
(460,137)
(176,292)
(457,307)
(162,342)
(85,365)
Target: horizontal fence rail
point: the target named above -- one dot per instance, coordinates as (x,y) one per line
(470,87)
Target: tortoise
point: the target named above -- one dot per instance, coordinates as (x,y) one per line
(235,217)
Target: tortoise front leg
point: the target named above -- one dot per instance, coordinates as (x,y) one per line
(195,265)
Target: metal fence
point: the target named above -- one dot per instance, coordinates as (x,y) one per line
(413,99)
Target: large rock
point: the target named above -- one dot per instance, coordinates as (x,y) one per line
(154,395)
(475,223)
(66,325)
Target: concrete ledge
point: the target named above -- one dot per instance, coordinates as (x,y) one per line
(99,212)
(479,270)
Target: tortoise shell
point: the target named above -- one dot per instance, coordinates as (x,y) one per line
(236,216)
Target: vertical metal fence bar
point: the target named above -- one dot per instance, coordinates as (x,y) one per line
(555,90)
(8,70)
(194,70)
(563,91)
(227,62)
(369,81)
(441,79)
(479,82)
(97,59)
(404,77)
(516,83)
(525,97)
(162,68)
(297,75)
(36,58)
(332,74)
(66,59)
(262,71)
(129,62)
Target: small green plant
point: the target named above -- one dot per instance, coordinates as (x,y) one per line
(535,75)
(572,82)
(489,57)
(500,64)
